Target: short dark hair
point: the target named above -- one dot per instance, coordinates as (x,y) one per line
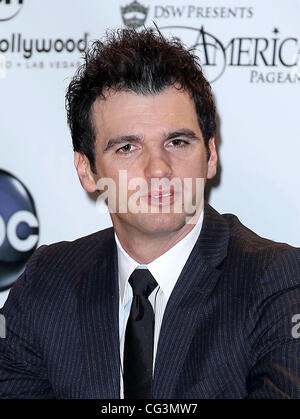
(143,62)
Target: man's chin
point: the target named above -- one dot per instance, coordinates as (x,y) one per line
(158,223)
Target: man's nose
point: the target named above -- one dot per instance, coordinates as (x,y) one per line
(157,165)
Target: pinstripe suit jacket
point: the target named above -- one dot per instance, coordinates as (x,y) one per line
(226,331)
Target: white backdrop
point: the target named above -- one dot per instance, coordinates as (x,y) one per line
(253,50)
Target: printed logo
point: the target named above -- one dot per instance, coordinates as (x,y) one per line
(134,14)
(256,53)
(266,58)
(19,228)
(10,9)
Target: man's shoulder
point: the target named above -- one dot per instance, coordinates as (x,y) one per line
(241,245)
(54,272)
(229,229)
(254,266)
(70,258)
(88,245)
(242,237)
(260,256)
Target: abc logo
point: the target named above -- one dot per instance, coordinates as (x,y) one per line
(9,9)
(19,228)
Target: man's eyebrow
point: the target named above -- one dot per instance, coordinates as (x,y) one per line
(124,139)
(184,132)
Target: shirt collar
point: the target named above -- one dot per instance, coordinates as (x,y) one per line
(126,265)
(166,268)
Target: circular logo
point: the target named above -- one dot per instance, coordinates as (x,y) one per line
(19,228)
(9,9)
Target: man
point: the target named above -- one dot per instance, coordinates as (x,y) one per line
(174,301)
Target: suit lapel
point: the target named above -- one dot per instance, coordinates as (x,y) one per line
(186,306)
(98,305)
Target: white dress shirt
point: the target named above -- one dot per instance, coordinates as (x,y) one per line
(166,270)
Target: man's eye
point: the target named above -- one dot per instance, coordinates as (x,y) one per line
(125,149)
(179,143)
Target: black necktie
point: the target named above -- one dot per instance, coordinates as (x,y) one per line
(139,338)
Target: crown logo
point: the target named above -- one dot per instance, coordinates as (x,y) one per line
(134,14)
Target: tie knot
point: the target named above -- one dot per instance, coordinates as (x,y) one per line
(142,282)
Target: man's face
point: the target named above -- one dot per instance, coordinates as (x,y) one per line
(153,138)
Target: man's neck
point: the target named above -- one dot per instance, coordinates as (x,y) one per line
(145,247)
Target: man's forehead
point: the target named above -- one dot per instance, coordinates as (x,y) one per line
(111,96)
(118,104)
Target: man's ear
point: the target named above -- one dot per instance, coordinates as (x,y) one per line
(213,159)
(84,171)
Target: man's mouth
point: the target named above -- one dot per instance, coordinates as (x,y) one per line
(160,198)
(160,195)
